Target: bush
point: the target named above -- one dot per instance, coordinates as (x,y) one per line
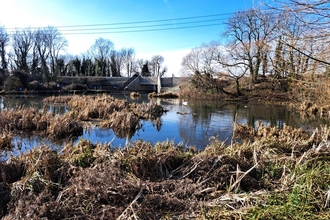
(35,85)
(18,80)
(75,87)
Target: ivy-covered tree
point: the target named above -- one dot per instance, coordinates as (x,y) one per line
(145,69)
(4,41)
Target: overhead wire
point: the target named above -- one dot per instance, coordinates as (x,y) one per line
(138,26)
(138,22)
(144,26)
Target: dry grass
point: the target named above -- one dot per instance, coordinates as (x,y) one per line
(6,139)
(276,173)
(91,107)
(58,99)
(122,123)
(63,126)
(122,117)
(272,172)
(44,123)
(134,94)
(168,95)
(116,114)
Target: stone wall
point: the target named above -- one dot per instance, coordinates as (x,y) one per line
(116,83)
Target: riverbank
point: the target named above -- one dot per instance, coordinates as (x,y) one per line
(273,173)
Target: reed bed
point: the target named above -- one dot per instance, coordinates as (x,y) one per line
(168,95)
(63,126)
(279,173)
(134,94)
(149,110)
(6,139)
(311,109)
(23,119)
(58,99)
(44,123)
(122,123)
(120,115)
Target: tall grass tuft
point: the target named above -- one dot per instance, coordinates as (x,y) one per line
(63,126)
(6,139)
(45,123)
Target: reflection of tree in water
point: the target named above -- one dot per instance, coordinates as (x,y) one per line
(129,133)
(157,122)
(273,115)
(56,109)
(195,128)
(15,101)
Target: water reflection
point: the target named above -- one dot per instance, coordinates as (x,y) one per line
(192,124)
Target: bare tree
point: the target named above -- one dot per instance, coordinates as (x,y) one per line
(40,52)
(233,68)
(191,63)
(202,59)
(4,41)
(128,55)
(208,53)
(56,43)
(101,51)
(22,44)
(138,65)
(156,65)
(312,18)
(249,33)
(116,63)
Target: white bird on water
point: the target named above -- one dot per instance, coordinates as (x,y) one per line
(184,103)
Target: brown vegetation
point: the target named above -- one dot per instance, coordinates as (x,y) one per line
(168,95)
(6,139)
(134,94)
(280,170)
(120,115)
(208,88)
(44,123)
(271,172)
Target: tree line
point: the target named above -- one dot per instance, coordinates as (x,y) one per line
(284,40)
(39,54)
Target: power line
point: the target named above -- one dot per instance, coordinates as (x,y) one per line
(121,27)
(136,22)
(144,30)
(101,29)
(143,26)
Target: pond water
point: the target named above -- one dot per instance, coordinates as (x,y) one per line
(192,124)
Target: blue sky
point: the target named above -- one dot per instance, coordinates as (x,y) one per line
(172,44)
